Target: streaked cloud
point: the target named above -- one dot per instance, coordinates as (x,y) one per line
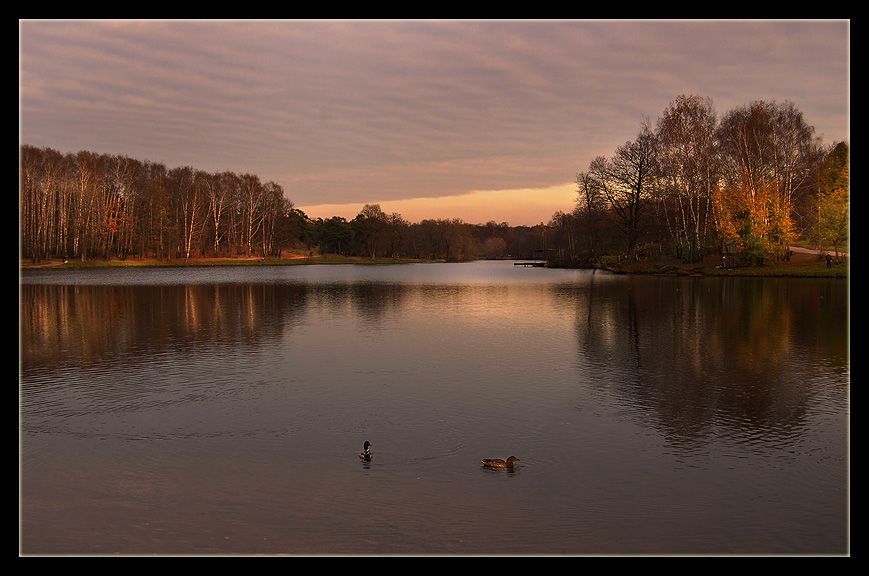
(354,112)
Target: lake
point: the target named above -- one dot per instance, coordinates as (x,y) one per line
(222,411)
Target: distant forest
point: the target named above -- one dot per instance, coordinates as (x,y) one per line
(748,183)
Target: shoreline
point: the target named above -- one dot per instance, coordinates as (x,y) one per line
(801,265)
(291,260)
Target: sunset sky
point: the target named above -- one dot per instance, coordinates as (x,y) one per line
(472,119)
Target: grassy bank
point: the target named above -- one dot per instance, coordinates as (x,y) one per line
(800,265)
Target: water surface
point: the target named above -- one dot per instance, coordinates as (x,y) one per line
(222,410)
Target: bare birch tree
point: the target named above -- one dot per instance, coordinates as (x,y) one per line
(687,166)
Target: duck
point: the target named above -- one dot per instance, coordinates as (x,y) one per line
(498,463)
(366,451)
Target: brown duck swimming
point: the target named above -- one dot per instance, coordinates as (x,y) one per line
(498,463)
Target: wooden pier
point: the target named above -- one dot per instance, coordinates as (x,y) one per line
(530,264)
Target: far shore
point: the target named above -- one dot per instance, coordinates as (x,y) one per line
(291,259)
(802,263)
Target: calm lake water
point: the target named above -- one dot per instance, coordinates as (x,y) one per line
(222,411)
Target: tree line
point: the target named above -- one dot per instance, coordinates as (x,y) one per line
(87,205)
(373,233)
(747,184)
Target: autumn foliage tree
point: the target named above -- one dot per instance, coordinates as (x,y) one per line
(768,155)
(834,206)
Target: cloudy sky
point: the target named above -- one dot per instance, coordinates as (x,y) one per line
(479,120)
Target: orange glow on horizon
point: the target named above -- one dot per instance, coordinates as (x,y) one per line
(521,207)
